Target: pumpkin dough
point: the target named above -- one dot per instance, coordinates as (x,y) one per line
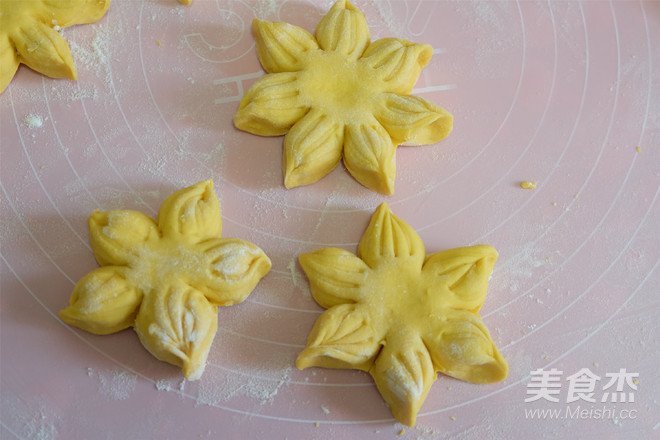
(400,315)
(28,35)
(337,94)
(166,278)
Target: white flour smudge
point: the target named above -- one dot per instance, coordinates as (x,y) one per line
(117,385)
(33,121)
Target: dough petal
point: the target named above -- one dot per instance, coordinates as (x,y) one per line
(458,278)
(461,347)
(191,214)
(177,325)
(103,302)
(271,106)
(335,275)
(397,62)
(312,149)
(404,374)
(282,47)
(412,120)
(116,236)
(43,49)
(8,62)
(370,156)
(235,267)
(70,12)
(342,337)
(343,29)
(389,238)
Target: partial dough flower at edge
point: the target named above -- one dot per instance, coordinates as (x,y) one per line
(28,35)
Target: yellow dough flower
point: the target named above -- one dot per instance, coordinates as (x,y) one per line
(337,94)
(166,278)
(28,35)
(400,315)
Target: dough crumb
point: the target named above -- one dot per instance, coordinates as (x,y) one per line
(33,121)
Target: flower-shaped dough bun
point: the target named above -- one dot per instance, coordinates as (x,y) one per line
(28,35)
(166,278)
(401,315)
(337,94)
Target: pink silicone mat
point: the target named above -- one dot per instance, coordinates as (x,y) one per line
(566,94)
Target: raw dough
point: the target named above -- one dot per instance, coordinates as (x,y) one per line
(400,315)
(166,278)
(28,35)
(336,94)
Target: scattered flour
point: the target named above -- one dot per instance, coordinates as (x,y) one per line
(40,426)
(117,384)
(165,385)
(294,275)
(36,421)
(266,8)
(33,121)
(261,388)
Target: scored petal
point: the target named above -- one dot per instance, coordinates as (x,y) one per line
(41,48)
(69,12)
(235,267)
(370,156)
(191,214)
(271,106)
(404,373)
(8,62)
(312,149)
(335,276)
(117,236)
(103,302)
(282,47)
(458,278)
(397,63)
(177,325)
(461,347)
(411,120)
(344,29)
(388,238)
(342,337)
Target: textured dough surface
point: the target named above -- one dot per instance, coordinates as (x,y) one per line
(338,95)
(166,278)
(28,35)
(402,315)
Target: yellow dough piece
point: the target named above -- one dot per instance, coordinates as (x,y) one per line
(338,95)
(400,315)
(28,35)
(166,278)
